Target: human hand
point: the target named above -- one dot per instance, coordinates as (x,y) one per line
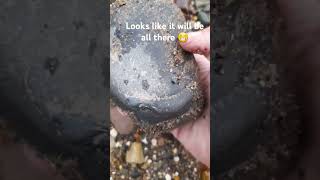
(195,136)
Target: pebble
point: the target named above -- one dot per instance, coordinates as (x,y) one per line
(128,143)
(145,166)
(135,173)
(118,144)
(161,141)
(175,151)
(204,18)
(176,159)
(135,154)
(113,133)
(144,140)
(154,157)
(168,177)
(154,142)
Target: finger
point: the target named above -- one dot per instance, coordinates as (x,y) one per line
(203,72)
(198,42)
(195,137)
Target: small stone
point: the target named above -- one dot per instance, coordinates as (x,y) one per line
(175,151)
(135,174)
(154,142)
(161,141)
(135,154)
(145,166)
(204,18)
(168,177)
(122,123)
(154,157)
(176,159)
(128,143)
(149,161)
(118,144)
(185,5)
(144,140)
(113,133)
(167,156)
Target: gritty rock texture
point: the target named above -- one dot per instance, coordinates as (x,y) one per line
(153,80)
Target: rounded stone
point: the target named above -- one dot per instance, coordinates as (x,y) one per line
(154,81)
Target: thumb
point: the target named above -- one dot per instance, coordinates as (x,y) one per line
(198,42)
(203,73)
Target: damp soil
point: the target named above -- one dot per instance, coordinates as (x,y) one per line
(247,31)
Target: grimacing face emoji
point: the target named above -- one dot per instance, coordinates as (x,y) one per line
(183,37)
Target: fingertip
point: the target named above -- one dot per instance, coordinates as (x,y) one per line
(198,42)
(188,44)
